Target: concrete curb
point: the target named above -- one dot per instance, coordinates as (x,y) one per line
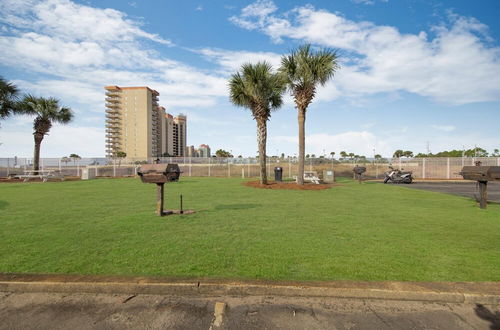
(447,292)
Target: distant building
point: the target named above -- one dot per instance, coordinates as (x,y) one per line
(138,126)
(191,152)
(179,135)
(204,150)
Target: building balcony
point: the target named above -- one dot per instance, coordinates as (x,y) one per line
(113,99)
(113,122)
(113,92)
(112,105)
(113,134)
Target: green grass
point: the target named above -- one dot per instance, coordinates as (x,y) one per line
(350,232)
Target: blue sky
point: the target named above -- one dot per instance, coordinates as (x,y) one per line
(413,71)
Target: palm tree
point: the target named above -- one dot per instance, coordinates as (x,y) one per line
(65,160)
(47,111)
(120,155)
(303,70)
(332,154)
(257,88)
(8,98)
(75,157)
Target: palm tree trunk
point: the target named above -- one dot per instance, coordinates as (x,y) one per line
(36,157)
(302,144)
(261,141)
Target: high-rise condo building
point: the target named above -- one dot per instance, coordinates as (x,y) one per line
(180,134)
(133,122)
(138,126)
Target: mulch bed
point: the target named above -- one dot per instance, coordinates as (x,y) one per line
(290,185)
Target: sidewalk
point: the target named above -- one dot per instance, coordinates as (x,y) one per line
(454,292)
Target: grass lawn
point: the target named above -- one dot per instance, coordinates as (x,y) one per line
(350,232)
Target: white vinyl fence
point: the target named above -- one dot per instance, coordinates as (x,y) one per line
(423,168)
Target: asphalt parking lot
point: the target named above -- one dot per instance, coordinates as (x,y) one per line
(118,311)
(461,188)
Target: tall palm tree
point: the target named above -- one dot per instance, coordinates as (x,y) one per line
(303,70)
(47,112)
(8,98)
(257,88)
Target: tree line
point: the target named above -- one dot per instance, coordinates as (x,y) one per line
(474,152)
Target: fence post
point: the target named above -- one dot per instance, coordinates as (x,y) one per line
(242,172)
(114,167)
(448,168)
(310,164)
(208,166)
(400,163)
(289,168)
(8,167)
(423,168)
(248,167)
(190,164)
(41,163)
(228,168)
(78,167)
(25,162)
(498,161)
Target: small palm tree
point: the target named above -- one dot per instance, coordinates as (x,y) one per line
(65,160)
(120,155)
(257,88)
(47,112)
(303,71)
(75,157)
(8,98)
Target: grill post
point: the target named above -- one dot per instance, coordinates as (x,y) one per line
(483,194)
(160,189)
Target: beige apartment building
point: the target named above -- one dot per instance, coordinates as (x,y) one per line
(138,126)
(179,135)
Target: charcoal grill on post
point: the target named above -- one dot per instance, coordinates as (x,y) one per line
(358,172)
(159,174)
(481,174)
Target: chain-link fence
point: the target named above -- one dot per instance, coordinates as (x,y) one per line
(423,168)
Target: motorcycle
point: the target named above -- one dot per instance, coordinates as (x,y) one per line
(398,176)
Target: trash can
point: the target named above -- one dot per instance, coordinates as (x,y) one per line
(278,174)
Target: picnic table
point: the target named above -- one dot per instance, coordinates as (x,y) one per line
(310,176)
(44,175)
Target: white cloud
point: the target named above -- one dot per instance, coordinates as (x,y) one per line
(231,61)
(457,66)
(444,128)
(84,49)
(367,2)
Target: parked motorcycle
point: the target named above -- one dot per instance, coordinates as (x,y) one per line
(398,176)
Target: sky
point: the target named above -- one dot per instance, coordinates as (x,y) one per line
(414,74)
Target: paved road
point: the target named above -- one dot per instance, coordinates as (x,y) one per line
(467,189)
(117,311)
